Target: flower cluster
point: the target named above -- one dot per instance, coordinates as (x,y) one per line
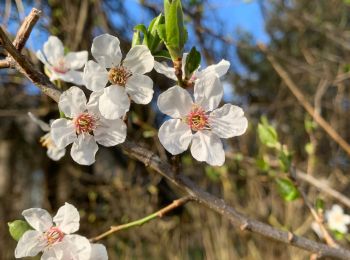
(115,82)
(55,238)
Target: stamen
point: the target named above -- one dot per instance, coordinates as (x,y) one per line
(60,66)
(197,119)
(53,235)
(85,123)
(46,141)
(119,75)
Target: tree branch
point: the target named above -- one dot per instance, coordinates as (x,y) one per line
(165,169)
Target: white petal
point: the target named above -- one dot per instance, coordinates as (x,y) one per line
(114,102)
(98,252)
(175,136)
(44,126)
(94,100)
(208,92)
(42,58)
(63,132)
(59,251)
(165,70)
(67,218)
(139,60)
(79,247)
(207,147)
(76,60)
(110,132)
(53,49)
(175,102)
(72,102)
(95,76)
(84,149)
(30,244)
(228,121)
(55,153)
(106,50)
(219,69)
(38,218)
(140,88)
(72,76)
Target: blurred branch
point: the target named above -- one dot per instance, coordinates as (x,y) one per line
(165,169)
(302,100)
(160,213)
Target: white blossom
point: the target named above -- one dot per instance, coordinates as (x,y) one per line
(200,122)
(337,220)
(53,152)
(219,70)
(124,78)
(61,66)
(55,241)
(85,126)
(98,252)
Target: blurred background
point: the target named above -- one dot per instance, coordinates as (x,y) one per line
(310,39)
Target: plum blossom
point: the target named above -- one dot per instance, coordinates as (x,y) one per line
(85,126)
(53,152)
(98,252)
(199,122)
(125,78)
(219,69)
(61,66)
(337,220)
(54,240)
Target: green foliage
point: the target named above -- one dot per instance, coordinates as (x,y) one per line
(286,189)
(175,33)
(309,148)
(267,134)
(262,164)
(17,228)
(285,159)
(193,61)
(212,173)
(319,205)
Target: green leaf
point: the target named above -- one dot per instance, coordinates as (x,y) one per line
(162,54)
(319,205)
(286,189)
(17,228)
(154,39)
(176,34)
(193,61)
(142,28)
(309,148)
(267,134)
(161,32)
(136,38)
(262,164)
(285,159)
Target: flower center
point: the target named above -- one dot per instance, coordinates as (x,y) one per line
(119,75)
(60,66)
(53,235)
(46,141)
(85,123)
(197,119)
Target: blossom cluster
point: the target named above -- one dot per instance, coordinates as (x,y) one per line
(55,238)
(195,121)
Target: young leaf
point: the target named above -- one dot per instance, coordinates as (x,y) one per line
(286,189)
(161,32)
(136,38)
(17,228)
(267,134)
(193,61)
(142,28)
(285,160)
(162,54)
(154,38)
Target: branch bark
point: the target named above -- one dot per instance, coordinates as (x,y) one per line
(153,161)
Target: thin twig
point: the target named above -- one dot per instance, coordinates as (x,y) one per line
(159,214)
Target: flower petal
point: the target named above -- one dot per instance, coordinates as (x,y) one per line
(114,102)
(106,50)
(63,132)
(53,49)
(175,102)
(228,121)
(175,136)
(98,252)
(84,149)
(94,100)
(165,70)
(140,88)
(38,218)
(79,247)
(110,132)
(72,102)
(44,126)
(208,92)
(30,244)
(72,76)
(219,69)
(67,218)
(207,147)
(42,58)
(95,76)
(76,60)
(55,153)
(139,60)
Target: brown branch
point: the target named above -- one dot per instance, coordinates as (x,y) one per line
(303,101)
(165,169)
